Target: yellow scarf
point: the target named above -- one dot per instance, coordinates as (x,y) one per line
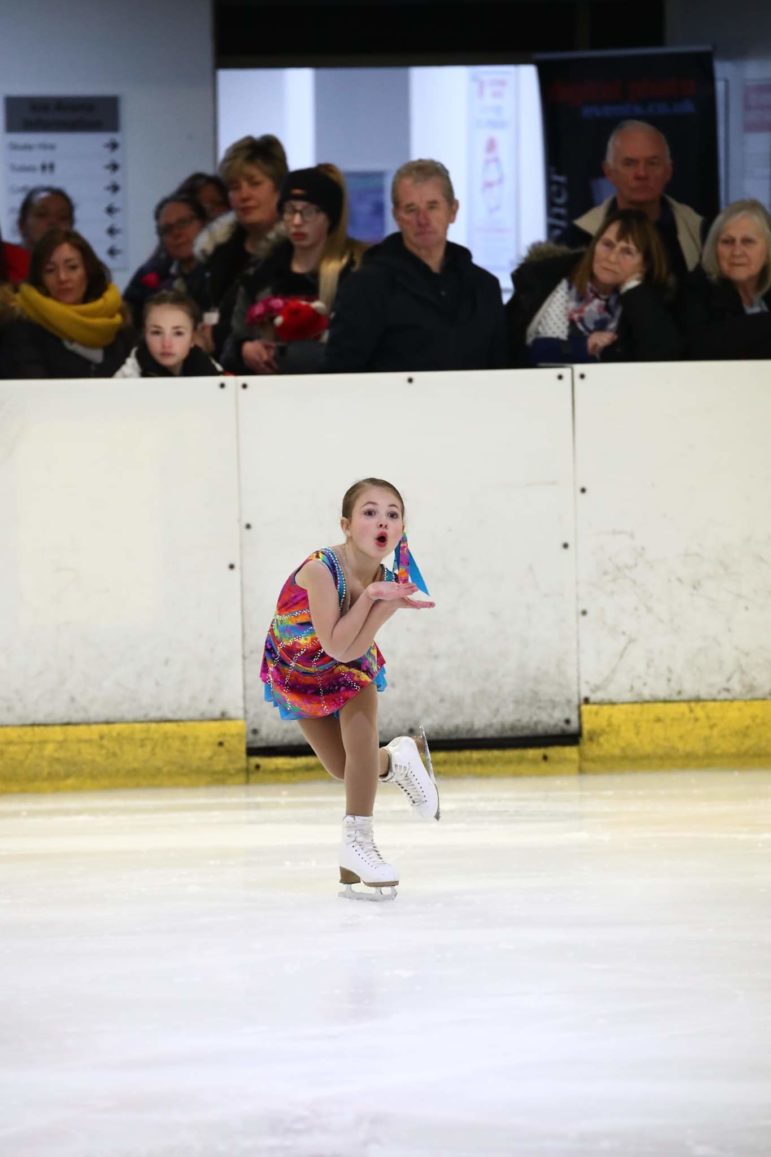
(93,324)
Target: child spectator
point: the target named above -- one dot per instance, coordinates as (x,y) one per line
(168,347)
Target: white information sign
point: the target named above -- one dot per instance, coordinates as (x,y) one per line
(75,143)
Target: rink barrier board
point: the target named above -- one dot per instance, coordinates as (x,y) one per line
(91,757)
(527,761)
(675,736)
(615,737)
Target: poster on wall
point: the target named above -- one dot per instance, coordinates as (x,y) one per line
(584,97)
(493,236)
(73,143)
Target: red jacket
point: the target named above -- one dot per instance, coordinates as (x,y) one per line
(16,262)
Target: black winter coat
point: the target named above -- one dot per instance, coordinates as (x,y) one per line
(646,330)
(395,313)
(715,324)
(31,351)
(273,276)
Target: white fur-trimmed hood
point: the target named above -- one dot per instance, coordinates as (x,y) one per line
(221,229)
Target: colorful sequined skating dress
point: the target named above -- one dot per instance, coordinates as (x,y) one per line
(300,678)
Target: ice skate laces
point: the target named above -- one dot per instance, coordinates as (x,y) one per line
(409,785)
(365,846)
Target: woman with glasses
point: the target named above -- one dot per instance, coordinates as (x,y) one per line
(178,221)
(280,317)
(610,302)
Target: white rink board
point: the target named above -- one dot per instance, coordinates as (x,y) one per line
(484,462)
(118,520)
(674,531)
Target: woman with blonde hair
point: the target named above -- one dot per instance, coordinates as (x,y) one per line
(726,303)
(252,170)
(283,306)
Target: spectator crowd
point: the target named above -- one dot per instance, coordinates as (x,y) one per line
(255,272)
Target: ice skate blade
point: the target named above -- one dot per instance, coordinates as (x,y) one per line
(378,894)
(421,742)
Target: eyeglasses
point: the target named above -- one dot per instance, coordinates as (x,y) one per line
(304,212)
(180,223)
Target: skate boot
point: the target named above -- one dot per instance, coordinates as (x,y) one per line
(407,771)
(361,862)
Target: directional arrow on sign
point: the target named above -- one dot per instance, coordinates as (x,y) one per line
(113,187)
(112,209)
(111,145)
(112,166)
(113,251)
(113,230)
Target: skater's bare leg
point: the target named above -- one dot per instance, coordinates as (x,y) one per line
(363,758)
(324,737)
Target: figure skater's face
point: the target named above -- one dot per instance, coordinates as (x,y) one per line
(169,335)
(376,523)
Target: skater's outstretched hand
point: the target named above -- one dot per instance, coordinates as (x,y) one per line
(398,593)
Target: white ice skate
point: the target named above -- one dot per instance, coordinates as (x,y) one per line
(408,772)
(361,862)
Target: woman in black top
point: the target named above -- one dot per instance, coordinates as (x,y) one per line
(291,293)
(726,304)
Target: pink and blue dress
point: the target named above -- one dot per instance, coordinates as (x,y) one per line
(300,678)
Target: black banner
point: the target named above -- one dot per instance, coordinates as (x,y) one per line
(584,98)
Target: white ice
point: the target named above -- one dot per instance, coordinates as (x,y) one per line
(574,966)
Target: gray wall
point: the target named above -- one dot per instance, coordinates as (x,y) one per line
(156,56)
(377,117)
(740,34)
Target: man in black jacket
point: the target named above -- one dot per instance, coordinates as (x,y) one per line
(418,302)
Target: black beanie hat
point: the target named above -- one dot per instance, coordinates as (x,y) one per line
(315,186)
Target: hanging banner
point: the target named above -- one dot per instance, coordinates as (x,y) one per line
(584,97)
(74,143)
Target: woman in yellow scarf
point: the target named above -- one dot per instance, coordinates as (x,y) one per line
(73,323)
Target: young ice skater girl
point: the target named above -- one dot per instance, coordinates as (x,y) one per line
(322,667)
(168,347)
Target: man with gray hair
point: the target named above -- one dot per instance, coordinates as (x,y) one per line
(418,302)
(638,165)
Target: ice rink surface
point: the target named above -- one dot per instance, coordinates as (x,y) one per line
(573,966)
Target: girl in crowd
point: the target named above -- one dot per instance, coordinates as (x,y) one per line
(252,169)
(44,207)
(178,221)
(726,303)
(607,303)
(322,667)
(307,264)
(73,324)
(168,347)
